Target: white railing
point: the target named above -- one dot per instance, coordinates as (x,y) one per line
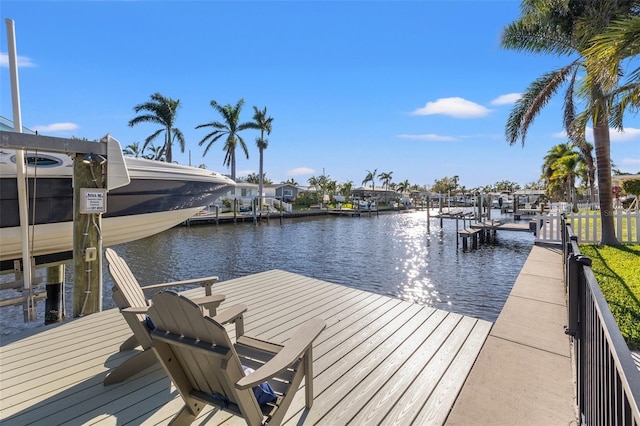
(560,207)
(586,226)
(277,204)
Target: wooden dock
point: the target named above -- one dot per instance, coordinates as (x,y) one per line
(379,361)
(497,226)
(482,232)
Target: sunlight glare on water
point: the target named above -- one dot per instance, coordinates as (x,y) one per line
(393,254)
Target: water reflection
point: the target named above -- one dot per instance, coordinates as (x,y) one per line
(393,254)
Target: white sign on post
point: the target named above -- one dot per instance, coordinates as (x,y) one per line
(93,200)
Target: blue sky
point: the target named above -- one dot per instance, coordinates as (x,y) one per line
(418,88)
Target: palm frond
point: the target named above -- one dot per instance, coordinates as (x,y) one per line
(151,138)
(530,36)
(534,99)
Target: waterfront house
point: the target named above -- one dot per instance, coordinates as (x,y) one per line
(283,191)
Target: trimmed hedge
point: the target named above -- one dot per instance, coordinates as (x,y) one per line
(617,269)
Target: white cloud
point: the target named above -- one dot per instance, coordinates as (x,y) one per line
(23,61)
(429,137)
(507,99)
(56,127)
(300,171)
(630,161)
(453,107)
(629,134)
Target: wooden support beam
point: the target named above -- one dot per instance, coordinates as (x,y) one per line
(87,241)
(13,140)
(22,300)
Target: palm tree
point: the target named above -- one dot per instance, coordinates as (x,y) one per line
(332,187)
(565,170)
(371,177)
(553,155)
(385,178)
(316,184)
(160,110)
(263,123)
(618,42)
(133,150)
(566,27)
(561,166)
(346,189)
(155,153)
(229,127)
(291,181)
(404,186)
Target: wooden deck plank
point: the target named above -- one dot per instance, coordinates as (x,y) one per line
(395,387)
(375,378)
(340,380)
(377,357)
(437,408)
(425,382)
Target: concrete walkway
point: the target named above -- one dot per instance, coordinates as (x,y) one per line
(523,375)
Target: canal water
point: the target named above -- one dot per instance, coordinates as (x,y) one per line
(394,254)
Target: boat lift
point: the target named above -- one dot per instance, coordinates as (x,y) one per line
(88,182)
(92,179)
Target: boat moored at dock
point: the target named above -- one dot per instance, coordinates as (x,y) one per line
(159,196)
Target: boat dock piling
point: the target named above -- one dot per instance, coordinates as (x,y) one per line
(482,232)
(89,173)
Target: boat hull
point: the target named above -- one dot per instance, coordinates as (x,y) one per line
(58,237)
(159,196)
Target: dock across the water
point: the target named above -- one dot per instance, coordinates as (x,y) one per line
(482,232)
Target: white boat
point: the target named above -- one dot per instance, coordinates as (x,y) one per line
(159,196)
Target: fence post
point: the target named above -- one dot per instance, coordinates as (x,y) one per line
(573,275)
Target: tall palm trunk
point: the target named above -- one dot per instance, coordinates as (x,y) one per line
(602,143)
(233,165)
(167,144)
(260,169)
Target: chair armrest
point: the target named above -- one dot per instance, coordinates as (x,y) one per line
(233,314)
(293,349)
(205,281)
(210,302)
(230,314)
(135,310)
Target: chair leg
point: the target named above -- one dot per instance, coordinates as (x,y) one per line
(130,343)
(308,377)
(184,417)
(130,367)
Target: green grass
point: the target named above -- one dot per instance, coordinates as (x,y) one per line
(617,270)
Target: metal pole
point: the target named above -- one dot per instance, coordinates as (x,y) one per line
(23,206)
(428,213)
(54,305)
(235,210)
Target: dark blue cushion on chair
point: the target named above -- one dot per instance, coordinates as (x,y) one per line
(149,323)
(264,392)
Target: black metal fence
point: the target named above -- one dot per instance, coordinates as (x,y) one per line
(608,381)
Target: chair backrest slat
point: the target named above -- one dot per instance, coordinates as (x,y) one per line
(214,371)
(125,281)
